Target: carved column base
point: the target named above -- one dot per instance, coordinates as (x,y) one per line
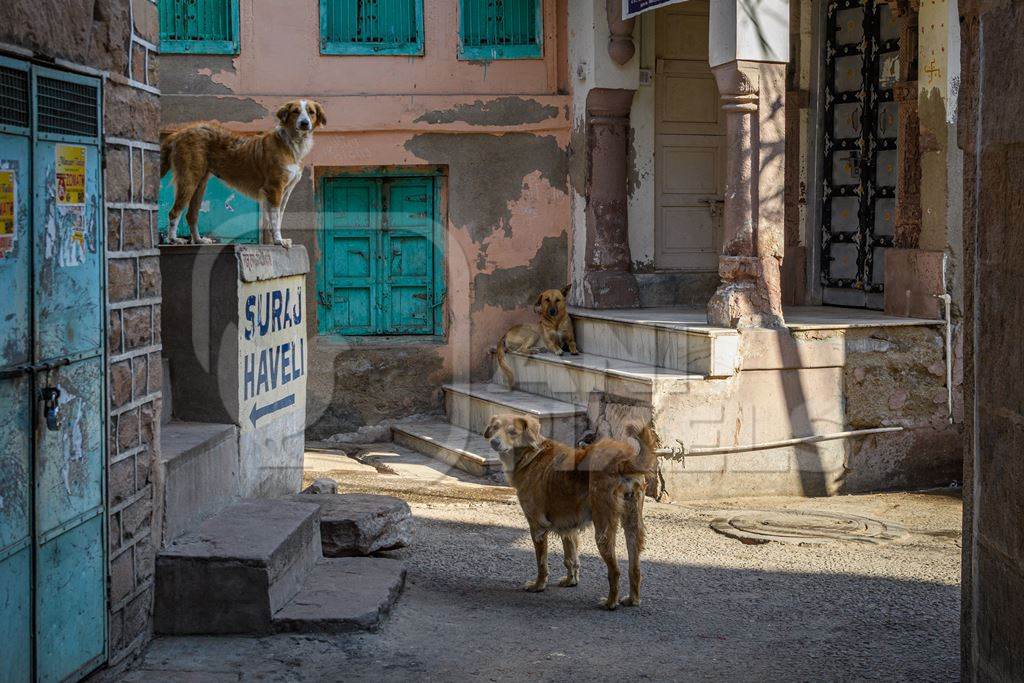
(609,289)
(750,294)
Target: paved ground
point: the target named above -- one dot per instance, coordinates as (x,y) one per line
(714,608)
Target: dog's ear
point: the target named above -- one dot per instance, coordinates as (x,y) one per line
(536,304)
(321,118)
(565,290)
(530,428)
(492,427)
(282,113)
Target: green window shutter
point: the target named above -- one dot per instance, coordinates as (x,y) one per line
(381,261)
(500,29)
(371,27)
(199,26)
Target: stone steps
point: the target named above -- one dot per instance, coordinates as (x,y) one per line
(252,569)
(471,407)
(343,594)
(658,337)
(451,444)
(573,378)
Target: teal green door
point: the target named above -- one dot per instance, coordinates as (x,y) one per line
(381,266)
(52,550)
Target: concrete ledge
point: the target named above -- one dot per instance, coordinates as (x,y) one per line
(237,569)
(200,463)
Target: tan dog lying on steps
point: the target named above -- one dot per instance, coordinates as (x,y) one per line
(562,489)
(554,331)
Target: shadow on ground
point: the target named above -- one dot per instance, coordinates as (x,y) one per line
(713,609)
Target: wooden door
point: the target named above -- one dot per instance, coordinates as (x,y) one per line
(689,143)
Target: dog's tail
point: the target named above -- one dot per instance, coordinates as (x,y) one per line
(166,145)
(505,368)
(646,459)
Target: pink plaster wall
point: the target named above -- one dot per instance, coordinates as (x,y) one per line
(506,121)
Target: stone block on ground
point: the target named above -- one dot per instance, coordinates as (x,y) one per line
(360,524)
(344,594)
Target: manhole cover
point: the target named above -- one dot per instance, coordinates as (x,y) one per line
(791,526)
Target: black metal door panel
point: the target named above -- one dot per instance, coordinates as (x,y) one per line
(861,65)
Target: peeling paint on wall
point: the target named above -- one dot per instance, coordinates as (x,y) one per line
(504,111)
(487,174)
(176,109)
(195,74)
(509,288)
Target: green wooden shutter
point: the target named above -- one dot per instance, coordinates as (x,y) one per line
(350,294)
(368,27)
(408,274)
(380,271)
(199,26)
(500,29)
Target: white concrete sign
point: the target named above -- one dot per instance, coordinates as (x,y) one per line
(272,350)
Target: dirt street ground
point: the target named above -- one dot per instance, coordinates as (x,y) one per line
(713,607)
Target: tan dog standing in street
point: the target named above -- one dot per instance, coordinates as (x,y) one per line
(265,167)
(553,333)
(562,489)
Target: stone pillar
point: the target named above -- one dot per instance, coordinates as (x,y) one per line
(907,229)
(607,280)
(753,97)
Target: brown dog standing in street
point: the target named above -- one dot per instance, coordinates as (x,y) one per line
(562,489)
(554,331)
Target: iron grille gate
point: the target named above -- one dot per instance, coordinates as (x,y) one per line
(859,144)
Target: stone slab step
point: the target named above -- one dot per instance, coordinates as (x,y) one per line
(471,407)
(200,471)
(360,523)
(342,595)
(674,338)
(237,569)
(450,444)
(573,378)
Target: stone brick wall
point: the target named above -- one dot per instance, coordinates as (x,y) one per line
(132,185)
(990,109)
(117,40)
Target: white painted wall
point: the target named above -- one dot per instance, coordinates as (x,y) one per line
(754,30)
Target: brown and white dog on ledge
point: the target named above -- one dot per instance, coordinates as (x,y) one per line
(264,166)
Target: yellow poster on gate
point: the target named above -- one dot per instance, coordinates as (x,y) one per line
(7,202)
(70,174)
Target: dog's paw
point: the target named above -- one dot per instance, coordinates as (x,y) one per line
(574,352)
(630,602)
(284,242)
(609,604)
(177,240)
(535,586)
(204,240)
(569,582)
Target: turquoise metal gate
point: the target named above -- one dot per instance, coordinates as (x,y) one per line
(52,564)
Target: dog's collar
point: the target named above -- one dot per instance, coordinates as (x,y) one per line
(529,457)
